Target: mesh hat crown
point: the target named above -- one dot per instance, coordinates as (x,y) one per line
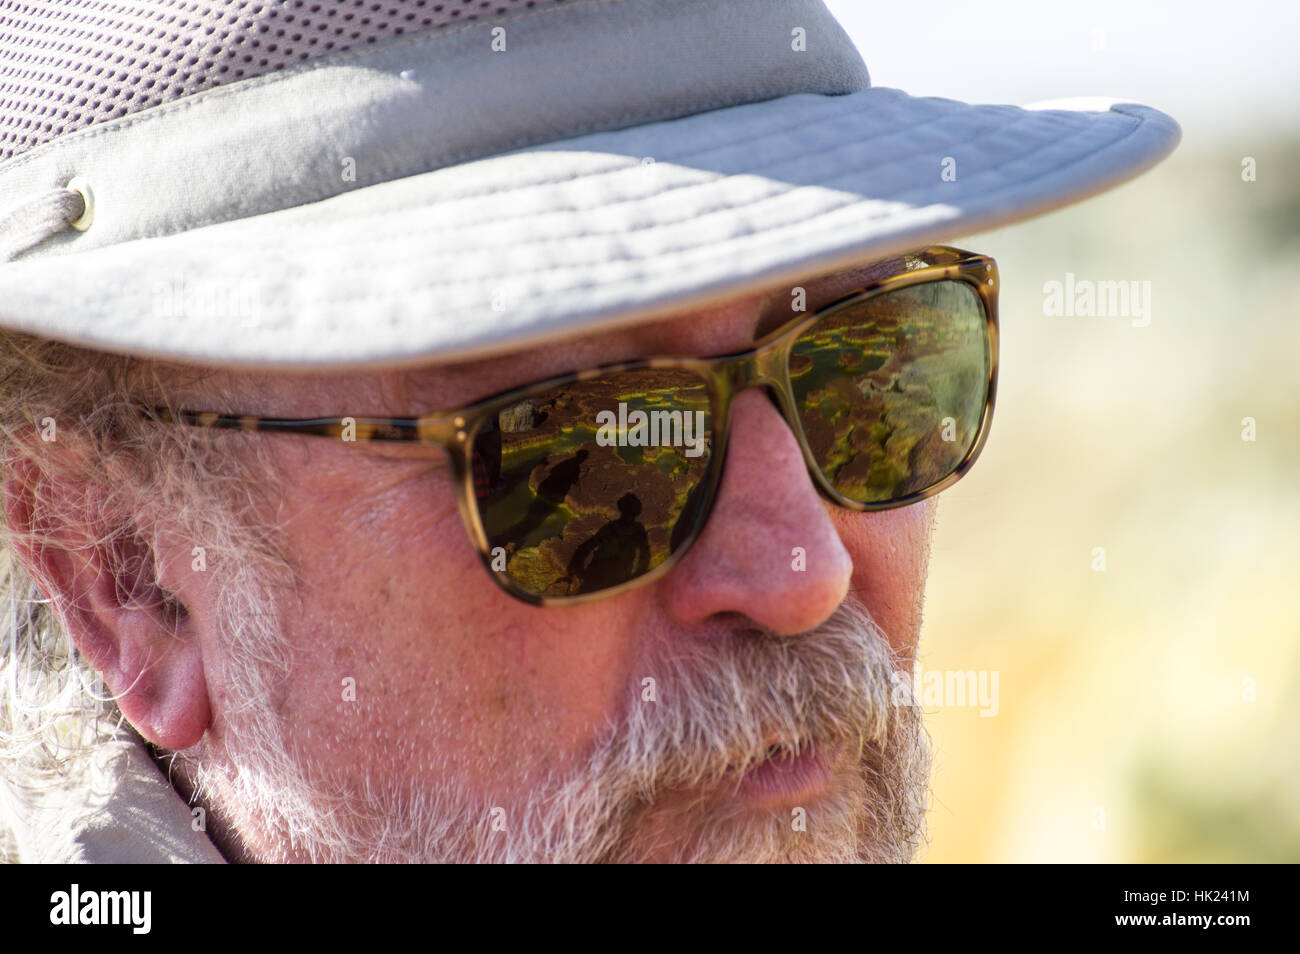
(341,184)
(74,63)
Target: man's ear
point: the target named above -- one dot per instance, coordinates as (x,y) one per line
(102,579)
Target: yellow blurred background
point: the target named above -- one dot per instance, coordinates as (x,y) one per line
(1149,712)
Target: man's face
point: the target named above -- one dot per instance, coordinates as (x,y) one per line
(737,707)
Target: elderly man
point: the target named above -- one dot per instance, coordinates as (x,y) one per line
(486,431)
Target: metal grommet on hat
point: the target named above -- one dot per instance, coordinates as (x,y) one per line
(82,187)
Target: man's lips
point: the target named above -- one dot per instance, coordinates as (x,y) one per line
(787,779)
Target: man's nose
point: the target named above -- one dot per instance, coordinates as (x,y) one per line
(769,550)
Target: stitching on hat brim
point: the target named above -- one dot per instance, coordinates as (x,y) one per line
(308,242)
(381,294)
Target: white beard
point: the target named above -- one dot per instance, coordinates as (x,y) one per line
(832,683)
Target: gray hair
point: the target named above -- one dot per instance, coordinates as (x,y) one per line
(55,714)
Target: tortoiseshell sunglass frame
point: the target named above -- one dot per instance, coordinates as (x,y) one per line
(766,364)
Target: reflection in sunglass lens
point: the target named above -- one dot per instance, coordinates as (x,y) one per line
(891,390)
(593,483)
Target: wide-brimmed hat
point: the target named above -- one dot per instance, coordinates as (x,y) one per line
(377,183)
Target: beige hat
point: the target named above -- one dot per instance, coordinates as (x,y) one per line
(330,183)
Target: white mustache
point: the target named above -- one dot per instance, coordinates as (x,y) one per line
(720,700)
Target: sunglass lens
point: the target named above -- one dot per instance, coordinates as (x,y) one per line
(591,484)
(891,389)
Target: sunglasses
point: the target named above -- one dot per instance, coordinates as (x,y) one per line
(588,484)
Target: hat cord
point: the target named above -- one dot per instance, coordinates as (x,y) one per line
(32,222)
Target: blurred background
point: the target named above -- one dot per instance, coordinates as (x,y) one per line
(1148,711)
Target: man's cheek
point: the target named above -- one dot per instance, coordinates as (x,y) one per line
(890,552)
(545,682)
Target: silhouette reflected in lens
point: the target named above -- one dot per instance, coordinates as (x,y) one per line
(595,482)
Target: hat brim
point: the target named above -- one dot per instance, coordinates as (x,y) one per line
(585,233)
